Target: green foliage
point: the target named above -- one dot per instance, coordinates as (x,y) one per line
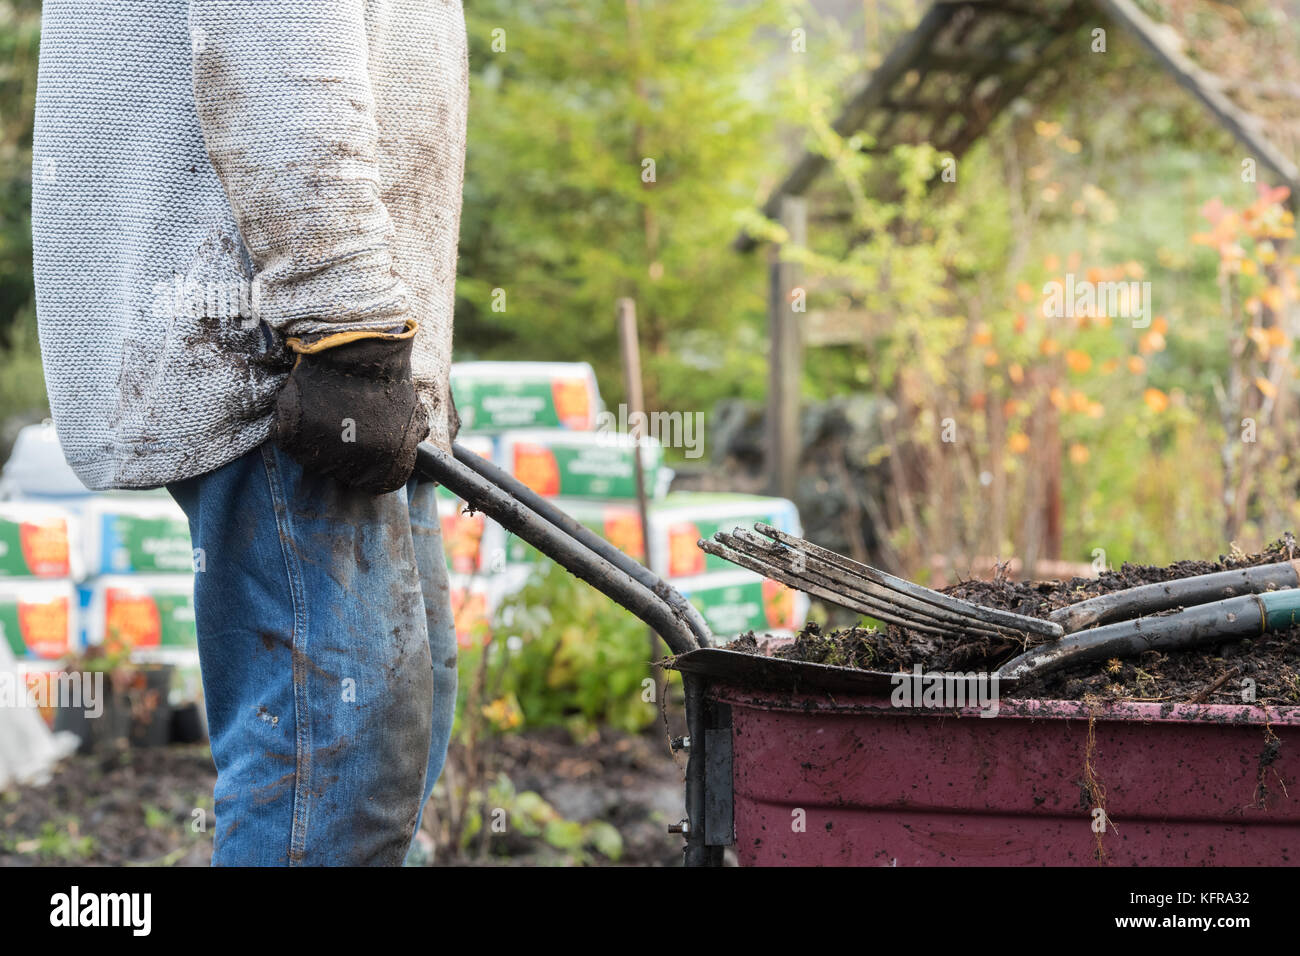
(564,655)
(564,212)
(19,42)
(1107,174)
(156,818)
(527,814)
(59,842)
(22,385)
(22,382)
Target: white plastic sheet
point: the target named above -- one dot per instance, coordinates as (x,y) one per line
(28,749)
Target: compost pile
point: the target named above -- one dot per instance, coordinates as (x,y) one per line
(1211,673)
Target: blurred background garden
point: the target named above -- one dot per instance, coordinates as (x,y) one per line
(925,180)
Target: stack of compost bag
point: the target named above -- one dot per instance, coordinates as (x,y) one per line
(542,422)
(80,569)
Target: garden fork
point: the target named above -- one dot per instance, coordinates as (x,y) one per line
(867,590)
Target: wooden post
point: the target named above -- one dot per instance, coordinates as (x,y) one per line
(631,349)
(629,345)
(785,355)
(1053,520)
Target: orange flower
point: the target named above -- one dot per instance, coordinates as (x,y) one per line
(1079,454)
(1015,372)
(1153,341)
(991,358)
(1079,362)
(1018,443)
(1266,387)
(1078,401)
(1024,291)
(1156,400)
(1136,364)
(983,335)
(1158,324)
(1049,346)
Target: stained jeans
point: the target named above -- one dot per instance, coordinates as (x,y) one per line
(329,661)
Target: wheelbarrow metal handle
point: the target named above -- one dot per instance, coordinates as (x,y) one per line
(584,535)
(498,496)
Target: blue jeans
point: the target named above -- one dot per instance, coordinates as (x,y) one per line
(329,661)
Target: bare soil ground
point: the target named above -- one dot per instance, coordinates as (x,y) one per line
(125,807)
(629,781)
(138,806)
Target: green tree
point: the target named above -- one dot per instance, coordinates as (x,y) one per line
(22,388)
(19,41)
(614,146)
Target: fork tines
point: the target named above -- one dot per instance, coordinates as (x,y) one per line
(832,577)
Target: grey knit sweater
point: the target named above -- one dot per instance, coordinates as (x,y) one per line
(212,176)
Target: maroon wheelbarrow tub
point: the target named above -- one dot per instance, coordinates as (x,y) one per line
(854,781)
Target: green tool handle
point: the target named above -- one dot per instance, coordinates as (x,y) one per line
(1281,609)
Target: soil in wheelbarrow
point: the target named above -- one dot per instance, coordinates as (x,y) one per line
(1209,674)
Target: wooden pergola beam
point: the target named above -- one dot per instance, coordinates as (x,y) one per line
(913,52)
(1207,87)
(856,111)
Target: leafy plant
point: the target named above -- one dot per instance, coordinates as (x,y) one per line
(527,814)
(613,146)
(564,655)
(1016,431)
(59,841)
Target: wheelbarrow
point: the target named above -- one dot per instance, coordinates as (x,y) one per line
(798,763)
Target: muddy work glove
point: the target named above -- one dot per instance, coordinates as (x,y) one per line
(349,408)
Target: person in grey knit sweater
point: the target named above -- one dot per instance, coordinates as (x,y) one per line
(244,220)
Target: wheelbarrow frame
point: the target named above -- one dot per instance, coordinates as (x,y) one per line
(484,487)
